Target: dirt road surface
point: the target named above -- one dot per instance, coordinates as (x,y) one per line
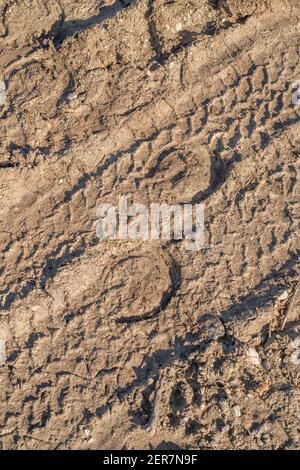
(143,344)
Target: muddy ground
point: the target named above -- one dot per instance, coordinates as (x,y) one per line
(144,344)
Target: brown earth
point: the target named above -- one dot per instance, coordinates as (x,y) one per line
(143,344)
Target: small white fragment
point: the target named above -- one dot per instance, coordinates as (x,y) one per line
(253,357)
(295,356)
(2,352)
(296,94)
(225,428)
(237,411)
(87,432)
(2,92)
(284,296)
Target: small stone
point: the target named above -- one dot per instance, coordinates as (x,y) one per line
(2,352)
(2,92)
(211,327)
(295,356)
(208,328)
(224,406)
(253,357)
(262,388)
(267,365)
(284,296)
(225,429)
(237,411)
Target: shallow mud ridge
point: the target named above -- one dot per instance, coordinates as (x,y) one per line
(142,344)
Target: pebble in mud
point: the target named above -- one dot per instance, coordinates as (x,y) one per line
(209,328)
(2,92)
(295,356)
(2,353)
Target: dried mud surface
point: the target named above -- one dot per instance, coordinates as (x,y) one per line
(110,345)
